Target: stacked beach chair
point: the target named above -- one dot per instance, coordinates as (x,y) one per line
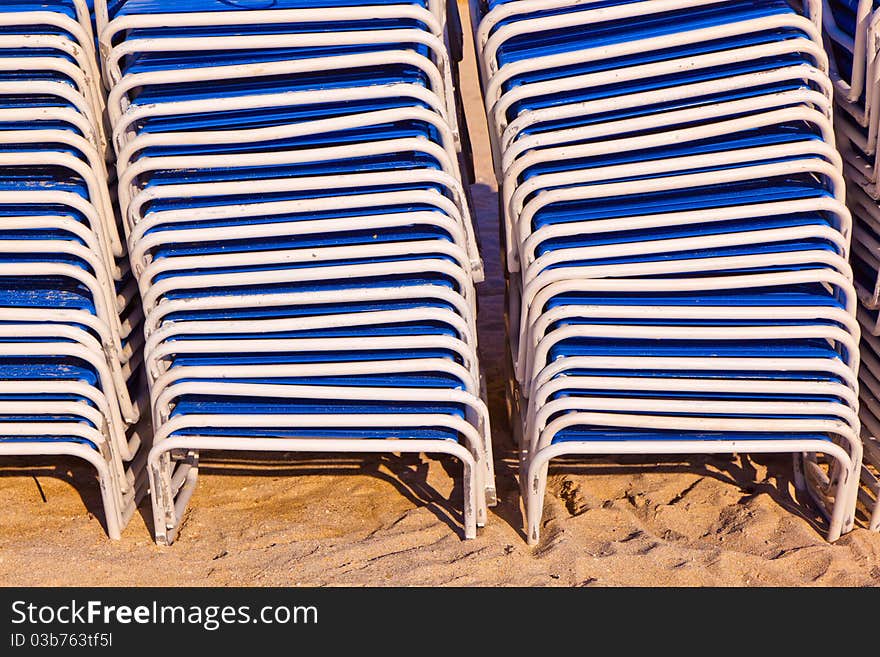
(70,367)
(676,236)
(851,31)
(290,181)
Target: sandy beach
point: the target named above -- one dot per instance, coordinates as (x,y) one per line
(314,520)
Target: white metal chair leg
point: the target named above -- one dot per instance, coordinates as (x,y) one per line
(535,490)
(536,473)
(168,511)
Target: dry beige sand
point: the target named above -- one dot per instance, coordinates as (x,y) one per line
(395,521)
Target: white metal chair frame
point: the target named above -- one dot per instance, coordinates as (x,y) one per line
(98,193)
(485,25)
(305,183)
(611,278)
(117,510)
(582,255)
(805,98)
(825,266)
(165,307)
(843,490)
(129,154)
(162,377)
(98,416)
(84,145)
(130,173)
(126,128)
(566,368)
(125,449)
(838,282)
(82,232)
(118,102)
(541,328)
(416,176)
(172,489)
(81,32)
(490,39)
(430,260)
(476,411)
(495,76)
(76,229)
(768,110)
(677,385)
(353,294)
(514,192)
(173,383)
(158,342)
(850,91)
(79,125)
(108,305)
(438,68)
(83,15)
(672,173)
(454,345)
(812,79)
(109,28)
(497,111)
(64,92)
(114,59)
(523,210)
(654,407)
(482,38)
(116,357)
(494,84)
(222,374)
(85,414)
(558,371)
(428,248)
(640,311)
(110,425)
(94,212)
(92,169)
(141,257)
(122,367)
(108,433)
(834,210)
(84,71)
(461,324)
(844,342)
(176,487)
(443,207)
(869,412)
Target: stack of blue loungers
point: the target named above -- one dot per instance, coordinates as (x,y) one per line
(70,335)
(290,181)
(851,29)
(676,237)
